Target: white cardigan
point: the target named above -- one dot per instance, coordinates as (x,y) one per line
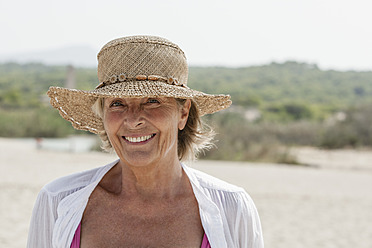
(228,214)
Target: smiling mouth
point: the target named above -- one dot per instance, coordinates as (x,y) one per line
(138,139)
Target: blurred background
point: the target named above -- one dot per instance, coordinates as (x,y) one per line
(298,136)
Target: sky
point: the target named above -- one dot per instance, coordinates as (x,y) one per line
(334,34)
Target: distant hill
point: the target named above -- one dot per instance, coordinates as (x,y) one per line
(81,56)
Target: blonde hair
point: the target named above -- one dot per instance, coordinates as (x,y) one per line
(195,138)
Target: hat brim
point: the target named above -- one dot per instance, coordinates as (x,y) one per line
(76,105)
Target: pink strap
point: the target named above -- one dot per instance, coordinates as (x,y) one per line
(76,240)
(205,242)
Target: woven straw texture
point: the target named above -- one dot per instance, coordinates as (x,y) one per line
(133,56)
(142,55)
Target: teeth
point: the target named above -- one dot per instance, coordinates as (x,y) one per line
(138,139)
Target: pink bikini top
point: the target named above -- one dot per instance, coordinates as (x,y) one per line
(76,241)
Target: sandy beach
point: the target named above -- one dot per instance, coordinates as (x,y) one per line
(326,204)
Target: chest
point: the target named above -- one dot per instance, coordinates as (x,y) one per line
(132,223)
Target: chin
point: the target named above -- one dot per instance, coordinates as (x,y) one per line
(139,159)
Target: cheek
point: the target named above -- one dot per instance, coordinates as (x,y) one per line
(170,132)
(111,121)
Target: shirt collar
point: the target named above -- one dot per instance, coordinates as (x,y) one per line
(71,209)
(209,212)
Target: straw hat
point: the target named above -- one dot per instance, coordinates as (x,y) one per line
(136,66)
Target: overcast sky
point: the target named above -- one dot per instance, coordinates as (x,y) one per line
(335,34)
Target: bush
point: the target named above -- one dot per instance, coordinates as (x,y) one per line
(237,139)
(354,131)
(34,122)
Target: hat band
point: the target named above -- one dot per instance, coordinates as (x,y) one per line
(114,79)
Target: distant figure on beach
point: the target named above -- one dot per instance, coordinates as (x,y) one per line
(38,143)
(144,111)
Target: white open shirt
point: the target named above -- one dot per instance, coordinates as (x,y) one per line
(228,214)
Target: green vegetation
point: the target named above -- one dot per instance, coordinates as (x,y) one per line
(285,83)
(354,131)
(298,104)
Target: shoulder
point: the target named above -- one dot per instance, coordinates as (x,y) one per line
(226,196)
(212,183)
(76,181)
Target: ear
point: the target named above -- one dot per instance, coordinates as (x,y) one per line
(184,114)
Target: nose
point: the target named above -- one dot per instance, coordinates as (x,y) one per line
(134,117)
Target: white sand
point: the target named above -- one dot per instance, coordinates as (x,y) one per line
(323,206)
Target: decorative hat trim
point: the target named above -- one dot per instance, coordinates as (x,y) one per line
(114,79)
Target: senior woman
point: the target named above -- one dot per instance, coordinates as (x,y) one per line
(144,111)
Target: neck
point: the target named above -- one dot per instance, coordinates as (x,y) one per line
(160,180)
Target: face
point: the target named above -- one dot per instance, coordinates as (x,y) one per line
(143,131)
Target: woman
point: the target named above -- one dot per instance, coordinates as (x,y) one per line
(144,111)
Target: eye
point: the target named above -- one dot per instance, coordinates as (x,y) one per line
(116,103)
(153,100)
